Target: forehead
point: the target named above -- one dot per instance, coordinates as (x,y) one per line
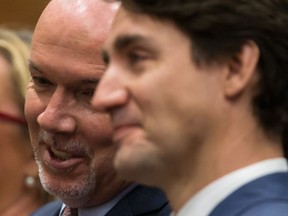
(4,66)
(77,18)
(67,50)
(143,28)
(71,34)
(67,61)
(5,76)
(73,38)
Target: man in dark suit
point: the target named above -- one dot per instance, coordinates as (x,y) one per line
(71,142)
(197,91)
(140,201)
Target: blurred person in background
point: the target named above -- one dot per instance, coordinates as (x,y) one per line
(21,192)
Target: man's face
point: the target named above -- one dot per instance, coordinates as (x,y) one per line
(71,142)
(161,104)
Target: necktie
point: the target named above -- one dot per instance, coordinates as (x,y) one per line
(70,211)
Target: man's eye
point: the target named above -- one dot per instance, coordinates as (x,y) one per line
(40,81)
(88,92)
(136,57)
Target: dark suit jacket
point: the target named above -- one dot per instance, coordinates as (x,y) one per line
(265,196)
(144,201)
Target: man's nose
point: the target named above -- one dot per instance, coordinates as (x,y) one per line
(58,115)
(110,93)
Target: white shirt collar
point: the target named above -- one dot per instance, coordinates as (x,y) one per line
(103,209)
(210,196)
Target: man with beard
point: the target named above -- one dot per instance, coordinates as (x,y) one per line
(71,142)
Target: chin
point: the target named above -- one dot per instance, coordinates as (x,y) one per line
(134,166)
(73,192)
(72,195)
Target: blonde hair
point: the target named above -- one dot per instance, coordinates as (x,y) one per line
(16,51)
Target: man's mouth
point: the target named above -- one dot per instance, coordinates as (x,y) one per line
(60,158)
(60,154)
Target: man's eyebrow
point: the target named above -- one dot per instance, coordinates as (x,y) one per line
(93,81)
(34,67)
(123,42)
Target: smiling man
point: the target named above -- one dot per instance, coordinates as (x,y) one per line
(197,91)
(72,143)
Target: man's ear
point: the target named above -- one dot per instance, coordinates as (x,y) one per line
(242,69)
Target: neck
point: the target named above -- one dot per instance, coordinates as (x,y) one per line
(237,148)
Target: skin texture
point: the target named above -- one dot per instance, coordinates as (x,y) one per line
(173,119)
(71,142)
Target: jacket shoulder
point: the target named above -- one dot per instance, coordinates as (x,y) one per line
(50,209)
(142,201)
(265,194)
(267,208)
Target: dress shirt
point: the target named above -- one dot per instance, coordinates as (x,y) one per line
(103,209)
(213,194)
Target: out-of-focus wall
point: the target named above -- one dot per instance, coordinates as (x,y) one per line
(21,12)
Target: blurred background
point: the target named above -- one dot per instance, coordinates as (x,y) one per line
(21,13)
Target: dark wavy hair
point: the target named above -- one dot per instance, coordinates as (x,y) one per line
(218,29)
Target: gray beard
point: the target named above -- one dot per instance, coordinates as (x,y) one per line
(71,194)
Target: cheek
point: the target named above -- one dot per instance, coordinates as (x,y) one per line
(99,127)
(103,157)
(32,107)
